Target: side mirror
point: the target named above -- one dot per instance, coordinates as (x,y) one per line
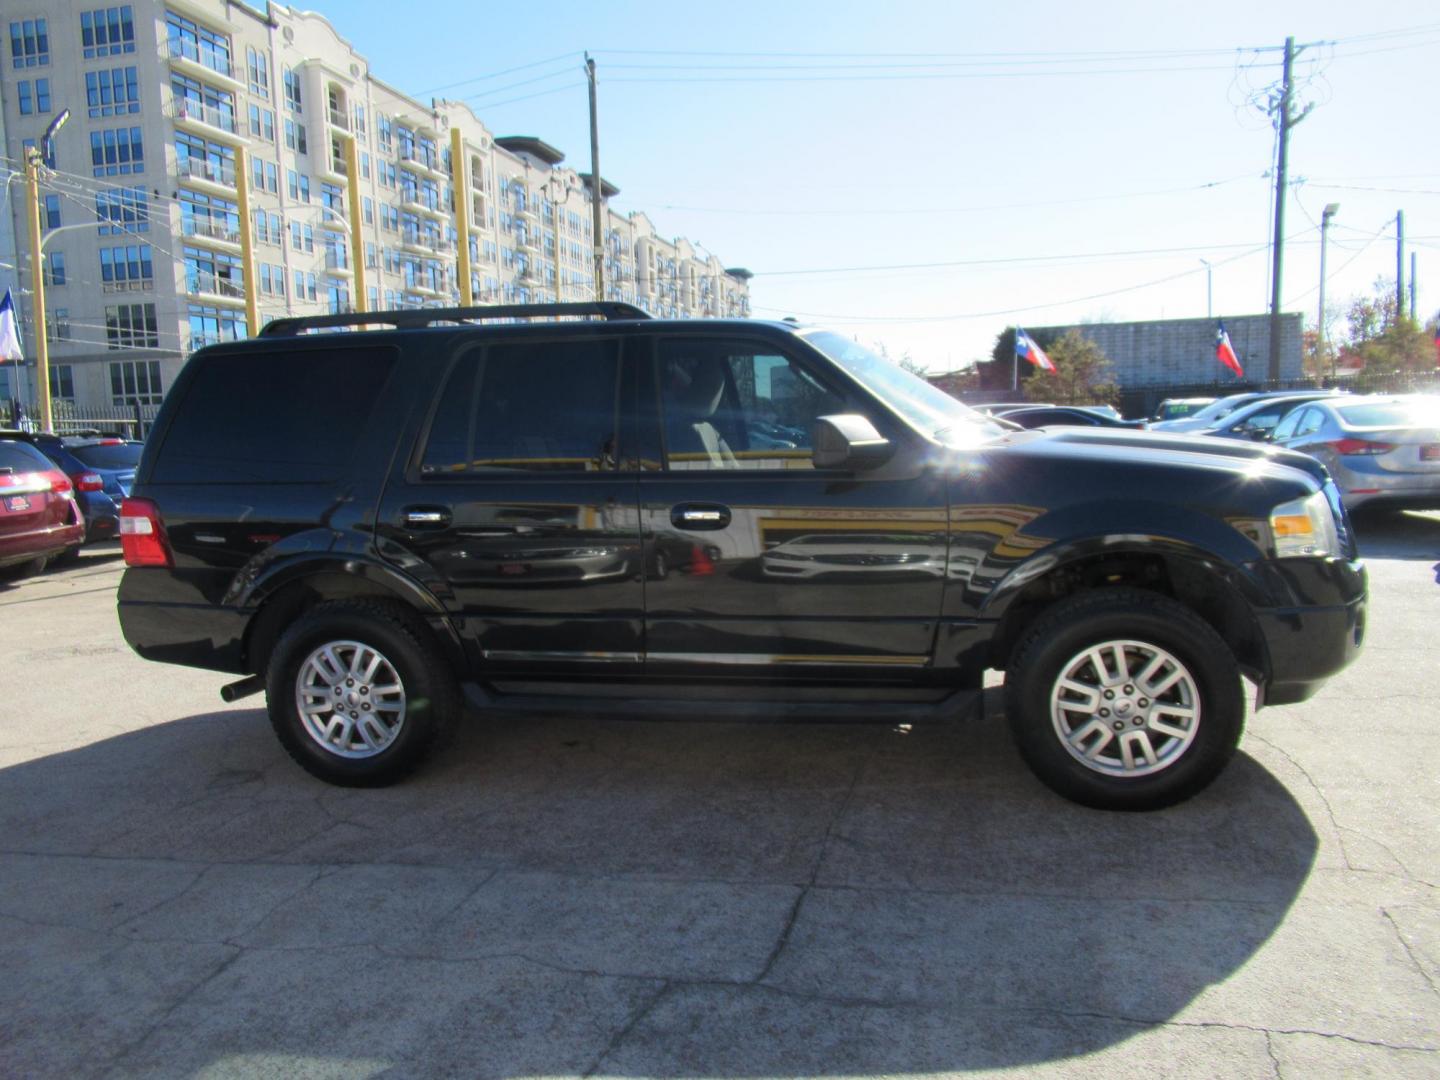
(848,441)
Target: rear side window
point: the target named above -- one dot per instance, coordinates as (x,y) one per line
(282,416)
(112,456)
(545,407)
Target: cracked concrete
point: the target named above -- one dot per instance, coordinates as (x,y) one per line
(563,896)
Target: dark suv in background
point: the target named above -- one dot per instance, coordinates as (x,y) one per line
(578,513)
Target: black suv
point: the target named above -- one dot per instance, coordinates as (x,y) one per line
(578,507)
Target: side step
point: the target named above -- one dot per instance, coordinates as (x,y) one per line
(812,708)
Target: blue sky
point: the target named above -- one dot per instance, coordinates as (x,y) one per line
(923,174)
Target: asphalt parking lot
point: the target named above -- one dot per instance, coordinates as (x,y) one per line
(563,896)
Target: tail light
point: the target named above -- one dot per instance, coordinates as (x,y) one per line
(142,534)
(59,482)
(1360,446)
(89,482)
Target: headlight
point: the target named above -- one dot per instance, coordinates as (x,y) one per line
(1304,527)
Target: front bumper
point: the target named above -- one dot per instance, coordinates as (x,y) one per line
(1308,644)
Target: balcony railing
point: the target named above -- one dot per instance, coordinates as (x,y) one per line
(339,119)
(414,156)
(184,108)
(203,281)
(336,260)
(181,49)
(205,169)
(213,230)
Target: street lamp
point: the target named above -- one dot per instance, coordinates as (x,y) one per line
(33,160)
(1325,215)
(1209,294)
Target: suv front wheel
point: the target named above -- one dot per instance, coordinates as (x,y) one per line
(355,695)
(1122,699)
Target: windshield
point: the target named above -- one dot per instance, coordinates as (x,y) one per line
(929,409)
(1222,408)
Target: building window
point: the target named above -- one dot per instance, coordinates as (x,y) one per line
(337,297)
(114,92)
(305,286)
(29,43)
(262,123)
(299,185)
(295,137)
(272,279)
(209,216)
(201,101)
(135,382)
(212,272)
(127,210)
(107,32)
(34,97)
(302,237)
(293,101)
(62,376)
(129,267)
(367,207)
(264,175)
(55,268)
(198,43)
(131,326)
(211,326)
(50,214)
(117,151)
(257,66)
(209,161)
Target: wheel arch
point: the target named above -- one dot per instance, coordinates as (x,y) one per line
(1217,591)
(294,587)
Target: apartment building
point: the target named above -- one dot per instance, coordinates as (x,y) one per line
(140,206)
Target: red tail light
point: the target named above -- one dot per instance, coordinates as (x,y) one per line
(1360,446)
(89,482)
(142,534)
(59,482)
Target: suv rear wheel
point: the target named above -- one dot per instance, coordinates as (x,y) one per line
(1124,700)
(356,696)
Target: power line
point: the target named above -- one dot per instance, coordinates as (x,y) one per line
(500,74)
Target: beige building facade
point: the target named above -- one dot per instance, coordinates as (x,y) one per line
(141,214)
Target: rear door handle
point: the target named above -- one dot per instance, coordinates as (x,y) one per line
(700,516)
(426,517)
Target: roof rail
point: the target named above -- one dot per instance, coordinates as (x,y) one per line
(411,318)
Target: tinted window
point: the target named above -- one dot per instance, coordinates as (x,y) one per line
(1286,427)
(548,406)
(1393,414)
(1310,422)
(112,456)
(286,415)
(22,457)
(729,406)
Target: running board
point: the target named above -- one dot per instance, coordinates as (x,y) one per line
(814,707)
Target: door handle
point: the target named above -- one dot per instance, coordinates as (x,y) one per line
(700,516)
(426,517)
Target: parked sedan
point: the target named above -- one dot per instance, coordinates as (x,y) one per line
(1382,451)
(1258,418)
(1067,415)
(1218,412)
(101,471)
(38,516)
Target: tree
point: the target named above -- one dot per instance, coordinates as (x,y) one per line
(1384,341)
(1083,373)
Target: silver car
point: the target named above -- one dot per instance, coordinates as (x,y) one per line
(1381,450)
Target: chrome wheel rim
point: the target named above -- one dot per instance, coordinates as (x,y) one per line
(1125,708)
(350,699)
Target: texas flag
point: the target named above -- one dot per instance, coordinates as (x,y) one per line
(9,331)
(1225,352)
(1028,350)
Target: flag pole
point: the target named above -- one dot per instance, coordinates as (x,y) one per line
(1015,363)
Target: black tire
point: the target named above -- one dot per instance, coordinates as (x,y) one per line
(431,700)
(69,557)
(1038,709)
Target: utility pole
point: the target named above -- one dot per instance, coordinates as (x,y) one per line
(1399,265)
(247,242)
(1413,309)
(1284,124)
(461,188)
(1209,290)
(359,299)
(596,185)
(1325,215)
(37,289)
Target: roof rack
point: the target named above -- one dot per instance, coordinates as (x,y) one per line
(410,318)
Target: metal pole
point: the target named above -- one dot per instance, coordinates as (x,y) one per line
(1399,265)
(1015,363)
(1280,168)
(1209,291)
(37,275)
(596,184)
(247,242)
(460,187)
(1325,217)
(1413,308)
(359,301)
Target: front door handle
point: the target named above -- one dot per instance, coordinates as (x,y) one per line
(700,516)
(426,517)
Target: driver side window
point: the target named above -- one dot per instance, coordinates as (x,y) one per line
(728,405)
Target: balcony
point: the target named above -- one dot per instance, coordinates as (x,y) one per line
(412,156)
(206,175)
(338,119)
(205,119)
(419,202)
(201,62)
(217,233)
(337,262)
(334,219)
(423,242)
(210,286)
(332,167)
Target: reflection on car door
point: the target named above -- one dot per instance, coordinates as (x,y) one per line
(517,514)
(758,563)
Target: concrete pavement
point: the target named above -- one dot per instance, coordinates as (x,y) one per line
(562,896)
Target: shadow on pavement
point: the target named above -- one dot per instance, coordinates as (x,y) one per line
(1397,535)
(560,894)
